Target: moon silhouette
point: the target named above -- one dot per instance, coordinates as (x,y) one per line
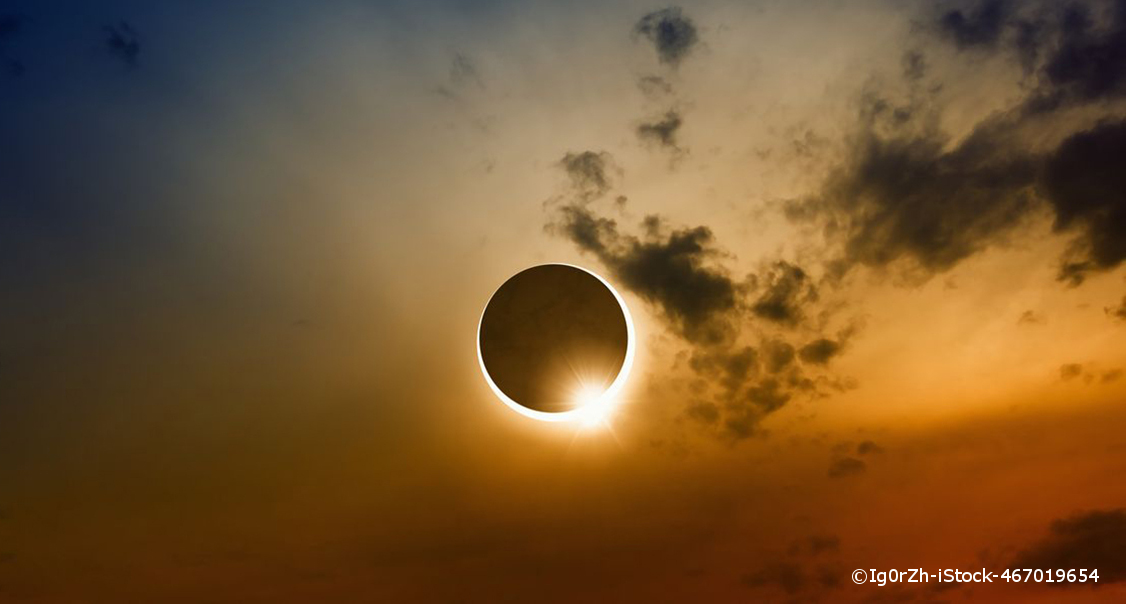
(555,341)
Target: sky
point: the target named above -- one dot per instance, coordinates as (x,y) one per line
(873,252)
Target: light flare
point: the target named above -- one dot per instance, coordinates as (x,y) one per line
(593,407)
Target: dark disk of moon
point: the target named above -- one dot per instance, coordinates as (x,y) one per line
(549,332)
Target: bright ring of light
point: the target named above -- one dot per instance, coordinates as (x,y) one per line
(590,408)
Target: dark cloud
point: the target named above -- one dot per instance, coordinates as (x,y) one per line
(914,65)
(819,351)
(980,26)
(1120,312)
(463,77)
(754,382)
(847,466)
(705,412)
(1088,60)
(670,270)
(829,577)
(1073,371)
(815,545)
(1089,540)
(672,34)
(739,366)
(673,270)
(590,172)
(769,394)
(654,86)
(787,575)
(1030,317)
(785,288)
(1028,42)
(1076,55)
(792,577)
(1070,371)
(463,71)
(819,544)
(746,393)
(679,272)
(777,355)
(1086,186)
(121,41)
(741,423)
(906,195)
(909,196)
(868,447)
(662,131)
(730,367)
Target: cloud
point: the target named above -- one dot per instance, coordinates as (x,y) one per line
(729,367)
(739,366)
(654,86)
(1075,57)
(589,172)
(909,196)
(981,26)
(792,577)
(121,41)
(1070,371)
(868,447)
(819,544)
(662,131)
(679,272)
(785,288)
(914,65)
(463,76)
(704,412)
(1086,187)
(671,270)
(815,545)
(463,71)
(746,394)
(1086,60)
(787,575)
(769,394)
(672,34)
(1089,540)
(1120,312)
(819,351)
(807,567)
(777,355)
(1030,317)
(847,466)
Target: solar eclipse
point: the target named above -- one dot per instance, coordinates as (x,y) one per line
(556,343)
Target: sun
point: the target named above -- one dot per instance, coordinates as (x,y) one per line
(592,407)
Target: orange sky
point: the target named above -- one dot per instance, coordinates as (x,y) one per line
(243,274)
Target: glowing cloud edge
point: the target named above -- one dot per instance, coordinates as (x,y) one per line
(579,413)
